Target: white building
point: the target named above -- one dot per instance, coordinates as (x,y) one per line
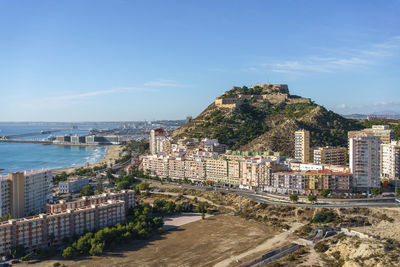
(390,160)
(155,144)
(364,159)
(302,145)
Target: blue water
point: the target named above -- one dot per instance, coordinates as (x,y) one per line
(29,156)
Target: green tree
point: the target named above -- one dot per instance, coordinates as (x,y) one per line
(203,215)
(377,190)
(69,252)
(97,249)
(56,264)
(312,198)
(87,191)
(123,185)
(99,186)
(323,217)
(144,185)
(27,257)
(325,193)
(5,218)
(398,191)
(17,251)
(294,197)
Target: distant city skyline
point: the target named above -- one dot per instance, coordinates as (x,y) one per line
(155,60)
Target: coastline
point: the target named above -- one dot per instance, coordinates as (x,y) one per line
(112,153)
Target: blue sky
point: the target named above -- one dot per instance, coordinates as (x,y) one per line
(145,60)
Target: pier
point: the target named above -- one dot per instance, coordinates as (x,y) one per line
(25,141)
(29,134)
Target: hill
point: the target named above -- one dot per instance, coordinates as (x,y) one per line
(264,118)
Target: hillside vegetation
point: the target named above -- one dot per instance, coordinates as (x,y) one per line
(265,118)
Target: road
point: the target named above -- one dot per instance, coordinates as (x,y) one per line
(263,198)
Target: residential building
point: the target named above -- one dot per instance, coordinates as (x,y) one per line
(257,173)
(73,185)
(330,155)
(390,160)
(382,131)
(155,144)
(364,159)
(46,230)
(302,145)
(338,182)
(195,169)
(24,193)
(176,168)
(128,196)
(217,170)
(287,182)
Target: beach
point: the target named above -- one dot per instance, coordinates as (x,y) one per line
(112,154)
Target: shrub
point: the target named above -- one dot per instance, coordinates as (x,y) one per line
(294,197)
(323,217)
(27,257)
(321,247)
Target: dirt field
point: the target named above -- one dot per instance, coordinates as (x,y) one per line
(201,243)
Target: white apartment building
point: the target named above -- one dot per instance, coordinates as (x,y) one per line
(390,160)
(364,159)
(382,131)
(302,145)
(155,144)
(25,193)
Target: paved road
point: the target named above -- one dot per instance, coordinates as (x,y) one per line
(262,198)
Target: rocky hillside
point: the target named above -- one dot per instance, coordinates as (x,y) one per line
(265,117)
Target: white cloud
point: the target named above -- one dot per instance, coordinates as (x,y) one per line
(336,60)
(164,83)
(94,93)
(381,107)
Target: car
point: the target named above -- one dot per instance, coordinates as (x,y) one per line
(14,261)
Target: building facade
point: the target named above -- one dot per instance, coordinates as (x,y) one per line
(25,193)
(302,145)
(338,182)
(46,230)
(73,185)
(155,144)
(390,160)
(385,134)
(330,155)
(364,159)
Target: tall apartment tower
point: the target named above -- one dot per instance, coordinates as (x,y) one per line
(302,145)
(390,160)
(25,193)
(364,159)
(382,131)
(155,135)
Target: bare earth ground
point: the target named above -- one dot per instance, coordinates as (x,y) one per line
(111,155)
(175,221)
(200,243)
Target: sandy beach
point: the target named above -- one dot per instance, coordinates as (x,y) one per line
(112,154)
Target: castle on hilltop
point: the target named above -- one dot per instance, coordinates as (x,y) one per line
(258,94)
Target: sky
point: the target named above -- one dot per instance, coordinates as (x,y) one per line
(117,60)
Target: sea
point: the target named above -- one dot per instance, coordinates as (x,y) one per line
(33,156)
